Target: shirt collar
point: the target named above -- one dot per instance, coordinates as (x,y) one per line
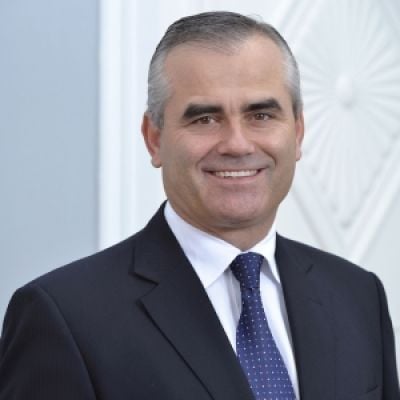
(211,256)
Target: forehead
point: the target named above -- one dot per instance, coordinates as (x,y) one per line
(251,68)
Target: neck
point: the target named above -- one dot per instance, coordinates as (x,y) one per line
(243,238)
(241,234)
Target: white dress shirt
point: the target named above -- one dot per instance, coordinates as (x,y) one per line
(211,257)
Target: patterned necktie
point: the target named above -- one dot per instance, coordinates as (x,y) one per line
(255,346)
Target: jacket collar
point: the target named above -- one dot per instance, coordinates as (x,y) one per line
(310,319)
(179,306)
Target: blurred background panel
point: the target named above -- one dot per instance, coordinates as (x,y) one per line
(49,141)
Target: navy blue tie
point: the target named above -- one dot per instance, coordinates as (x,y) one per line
(256,348)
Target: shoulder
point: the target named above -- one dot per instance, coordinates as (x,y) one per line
(104,279)
(321,258)
(85,293)
(326,267)
(105,263)
(113,262)
(95,279)
(342,283)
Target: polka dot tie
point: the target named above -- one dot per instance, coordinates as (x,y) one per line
(255,346)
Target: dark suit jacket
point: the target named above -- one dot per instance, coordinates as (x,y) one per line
(134,322)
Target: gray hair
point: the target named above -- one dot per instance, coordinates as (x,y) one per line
(220,30)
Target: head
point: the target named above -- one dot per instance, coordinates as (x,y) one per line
(225,123)
(223,31)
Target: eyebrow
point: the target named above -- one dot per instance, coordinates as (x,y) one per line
(266,104)
(194,110)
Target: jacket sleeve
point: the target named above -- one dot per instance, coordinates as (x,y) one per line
(390,388)
(39,358)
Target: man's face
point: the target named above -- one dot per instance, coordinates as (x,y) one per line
(230,141)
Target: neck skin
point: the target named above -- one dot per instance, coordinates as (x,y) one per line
(240,235)
(243,239)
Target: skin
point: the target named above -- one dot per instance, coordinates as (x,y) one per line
(227,112)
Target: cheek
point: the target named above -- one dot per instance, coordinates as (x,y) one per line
(188,153)
(286,148)
(178,164)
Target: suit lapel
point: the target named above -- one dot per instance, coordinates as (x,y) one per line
(180,308)
(310,321)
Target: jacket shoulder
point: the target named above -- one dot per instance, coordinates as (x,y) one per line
(91,271)
(324,262)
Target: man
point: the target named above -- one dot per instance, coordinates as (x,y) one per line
(207,301)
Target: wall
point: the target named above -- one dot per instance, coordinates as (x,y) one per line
(48,137)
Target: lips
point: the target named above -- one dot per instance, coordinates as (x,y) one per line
(236,174)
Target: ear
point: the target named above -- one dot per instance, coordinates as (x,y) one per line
(151,135)
(299,128)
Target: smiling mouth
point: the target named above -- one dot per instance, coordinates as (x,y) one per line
(236,174)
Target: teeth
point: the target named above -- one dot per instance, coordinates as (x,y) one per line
(235,174)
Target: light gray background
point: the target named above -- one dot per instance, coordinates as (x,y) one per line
(48,137)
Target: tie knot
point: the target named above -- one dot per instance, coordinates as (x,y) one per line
(246,268)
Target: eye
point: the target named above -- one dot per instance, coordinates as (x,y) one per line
(204,120)
(261,116)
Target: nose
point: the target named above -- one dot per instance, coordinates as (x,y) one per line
(235,142)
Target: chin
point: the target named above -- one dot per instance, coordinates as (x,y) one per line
(240,217)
